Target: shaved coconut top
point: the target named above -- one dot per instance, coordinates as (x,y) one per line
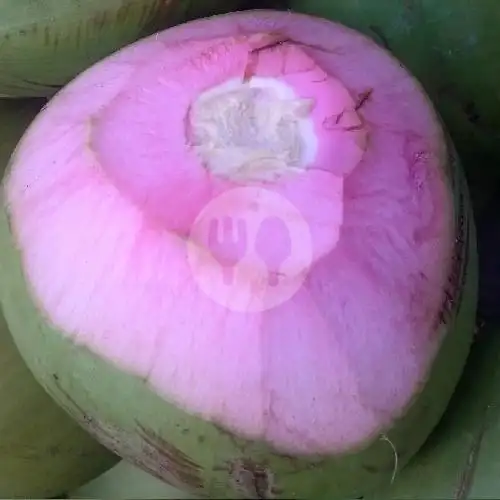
(224,131)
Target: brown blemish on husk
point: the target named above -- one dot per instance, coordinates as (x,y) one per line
(68,402)
(170,462)
(143,449)
(252,480)
(109,436)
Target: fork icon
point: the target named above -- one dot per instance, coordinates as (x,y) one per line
(227,241)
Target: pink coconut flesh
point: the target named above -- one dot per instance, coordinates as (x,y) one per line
(106,191)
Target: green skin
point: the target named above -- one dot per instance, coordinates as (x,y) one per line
(45,43)
(198,456)
(451,46)
(43,452)
(460,460)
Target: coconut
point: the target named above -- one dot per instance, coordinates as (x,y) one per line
(451,47)
(43,452)
(240,253)
(44,44)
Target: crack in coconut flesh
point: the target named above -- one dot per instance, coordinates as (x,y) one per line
(240,253)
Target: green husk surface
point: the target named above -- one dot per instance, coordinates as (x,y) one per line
(460,459)
(43,452)
(204,459)
(453,48)
(46,43)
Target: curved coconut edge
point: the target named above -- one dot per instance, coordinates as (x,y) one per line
(43,452)
(199,456)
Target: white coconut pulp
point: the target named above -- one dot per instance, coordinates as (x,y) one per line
(253,129)
(327,384)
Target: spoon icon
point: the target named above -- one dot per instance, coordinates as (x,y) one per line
(273,245)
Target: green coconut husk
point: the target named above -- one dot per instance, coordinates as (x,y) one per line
(43,452)
(460,459)
(451,46)
(45,43)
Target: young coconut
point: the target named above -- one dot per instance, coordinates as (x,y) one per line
(239,253)
(43,452)
(46,43)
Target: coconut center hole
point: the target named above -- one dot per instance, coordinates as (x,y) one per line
(256,129)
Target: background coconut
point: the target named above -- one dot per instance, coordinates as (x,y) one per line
(43,452)
(451,46)
(127,481)
(44,44)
